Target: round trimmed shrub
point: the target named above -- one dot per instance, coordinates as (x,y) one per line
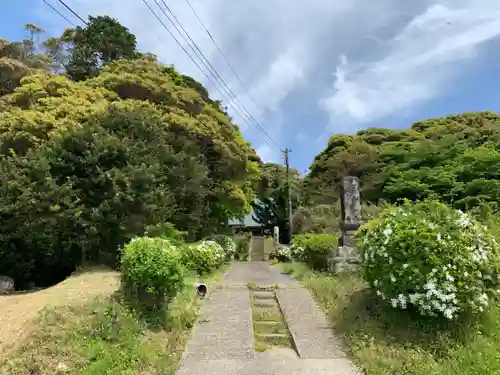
(314,249)
(152,265)
(281,253)
(203,257)
(430,256)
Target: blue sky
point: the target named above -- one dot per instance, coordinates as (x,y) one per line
(316,67)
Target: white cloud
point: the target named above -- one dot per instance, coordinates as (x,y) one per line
(421,59)
(269,154)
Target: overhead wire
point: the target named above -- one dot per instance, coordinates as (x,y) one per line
(224,56)
(237,106)
(59,13)
(73,12)
(214,72)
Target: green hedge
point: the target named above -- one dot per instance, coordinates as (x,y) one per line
(152,269)
(314,249)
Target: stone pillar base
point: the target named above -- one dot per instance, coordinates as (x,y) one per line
(340,264)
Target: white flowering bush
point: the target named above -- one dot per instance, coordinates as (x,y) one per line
(298,246)
(433,257)
(227,244)
(203,257)
(281,253)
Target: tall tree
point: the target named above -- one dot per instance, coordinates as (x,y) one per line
(271,207)
(103,40)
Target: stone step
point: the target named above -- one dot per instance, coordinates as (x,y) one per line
(268,303)
(263,295)
(274,338)
(269,314)
(264,327)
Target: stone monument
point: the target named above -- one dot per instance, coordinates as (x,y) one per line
(276,235)
(347,257)
(6,285)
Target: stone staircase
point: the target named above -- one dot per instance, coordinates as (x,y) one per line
(269,325)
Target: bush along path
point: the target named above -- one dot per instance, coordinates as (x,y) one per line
(222,340)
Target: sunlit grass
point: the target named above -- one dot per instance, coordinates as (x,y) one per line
(107,336)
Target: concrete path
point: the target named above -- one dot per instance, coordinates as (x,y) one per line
(221,342)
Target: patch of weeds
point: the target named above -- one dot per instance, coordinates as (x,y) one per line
(260,345)
(262,313)
(272,327)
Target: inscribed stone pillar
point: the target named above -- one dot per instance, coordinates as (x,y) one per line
(350,208)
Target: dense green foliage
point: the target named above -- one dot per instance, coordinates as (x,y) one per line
(242,242)
(434,258)
(314,249)
(270,209)
(152,267)
(167,231)
(86,166)
(453,158)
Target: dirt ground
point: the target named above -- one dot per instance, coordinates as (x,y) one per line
(18,311)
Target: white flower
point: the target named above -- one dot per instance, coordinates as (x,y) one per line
(448,313)
(438,237)
(405,266)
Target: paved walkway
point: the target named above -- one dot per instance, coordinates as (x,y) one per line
(221,341)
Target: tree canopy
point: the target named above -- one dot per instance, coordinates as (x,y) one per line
(453,158)
(100,141)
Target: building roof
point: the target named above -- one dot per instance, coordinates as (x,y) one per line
(247,221)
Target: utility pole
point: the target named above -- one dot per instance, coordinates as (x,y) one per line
(286,151)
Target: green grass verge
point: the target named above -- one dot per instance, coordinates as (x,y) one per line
(386,341)
(106,336)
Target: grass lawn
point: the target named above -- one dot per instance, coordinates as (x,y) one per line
(106,336)
(393,342)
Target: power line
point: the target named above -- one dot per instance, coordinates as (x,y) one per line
(62,15)
(224,56)
(238,107)
(215,74)
(72,11)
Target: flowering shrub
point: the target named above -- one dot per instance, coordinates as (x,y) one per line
(433,257)
(281,253)
(227,244)
(314,249)
(153,266)
(203,257)
(298,247)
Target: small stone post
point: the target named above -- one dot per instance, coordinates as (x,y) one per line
(276,235)
(350,207)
